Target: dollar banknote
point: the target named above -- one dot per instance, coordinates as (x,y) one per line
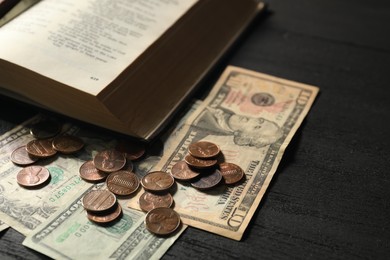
(252,117)
(25,209)
(70,235)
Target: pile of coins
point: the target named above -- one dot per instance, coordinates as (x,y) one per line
(115,167)
(203,168)
(160,219)
(47,143)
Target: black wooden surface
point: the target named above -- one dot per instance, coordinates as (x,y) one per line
(330,197)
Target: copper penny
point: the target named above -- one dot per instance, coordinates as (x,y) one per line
(99,200)
(203,149)
(157,181)
(45,129)
(20,156)
(32,176)
(122,183)
(208,181)
(199,163)
(133,149)
(67,144)
(105,217)
(231,173)
(162,221)
(149,201)
(181,171)
(129,166)
(40,148)
(109,160)
(89,172)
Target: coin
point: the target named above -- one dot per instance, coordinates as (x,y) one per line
(99,200)
(105,217)
(122,182)
(208,181)
(67,144)
(149,201)
(129,166)
(162,221)
(45,129)
(157,181)
(32,176)
(40,148)
(181,171)
(89,172)
(20,156)
(133,149)
(199,163)
(203,149)
(109,160)
(231,173)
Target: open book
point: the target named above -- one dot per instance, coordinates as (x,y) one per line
(122,65)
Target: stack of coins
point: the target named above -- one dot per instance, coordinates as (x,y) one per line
(204,169)
(47,143)
(101,206)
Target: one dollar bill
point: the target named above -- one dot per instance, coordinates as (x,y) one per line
(252,117)
(70,235)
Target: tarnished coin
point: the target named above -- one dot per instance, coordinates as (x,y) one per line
(32,176)
(149,201)
(203,149)
(99,200)
(231,173)
(89,172)
(105,217)
(162,221)
(122,182)
(157,181)
(133,149)
(129,166)
(208,181)
(41,148)
(67,144)
(199,163)
(45,129)
(109,160)
(181,171)
(20,156)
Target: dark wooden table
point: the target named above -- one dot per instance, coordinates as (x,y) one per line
(330,197)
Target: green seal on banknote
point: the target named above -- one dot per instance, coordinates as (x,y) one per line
(57,174)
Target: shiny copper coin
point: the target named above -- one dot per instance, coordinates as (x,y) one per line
(181,171)
(208,181)
(157,181)
(133,149)
(149,201)
(231,173)
(203,149)
(99,200)
(199,163)
(20,156)
(32,176)
(45,129)
(162,221)
(89,172)
(67,144)
(40,148)
(105,217)
(109,160)
(122,183)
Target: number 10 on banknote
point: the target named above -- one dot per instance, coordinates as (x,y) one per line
(252,117)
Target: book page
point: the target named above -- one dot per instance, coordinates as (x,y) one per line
(86,44)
